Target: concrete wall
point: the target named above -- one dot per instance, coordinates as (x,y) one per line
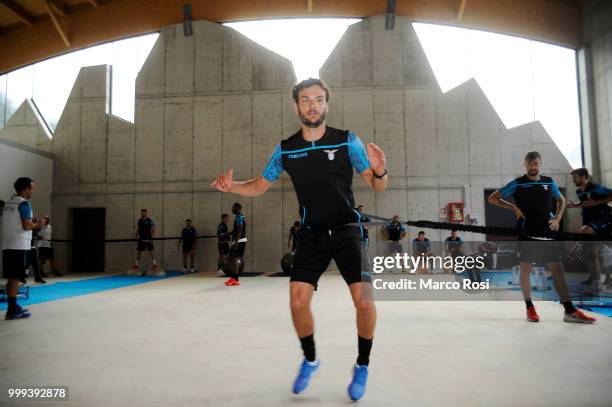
(211,101)
(20,161)
(27,127)
(440,147)
(596,81)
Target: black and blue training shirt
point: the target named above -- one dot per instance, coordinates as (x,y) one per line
(322,174)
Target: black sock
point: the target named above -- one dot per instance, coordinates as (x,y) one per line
(528,302)
(308,346)
(569,307)
(12,305)
(364,346)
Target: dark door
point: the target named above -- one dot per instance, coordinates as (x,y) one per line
(88,226)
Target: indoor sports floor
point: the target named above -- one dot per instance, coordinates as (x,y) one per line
(190,341)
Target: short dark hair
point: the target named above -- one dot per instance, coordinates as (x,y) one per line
(237,205)
(225,215)
(421,232)
(187,220)
(143,210)
(307,83)
(22,184)
(581,172)
(532,155)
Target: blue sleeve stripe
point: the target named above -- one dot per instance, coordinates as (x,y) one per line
(555,189)
(25,210)
(275,165)
(509,189)
(601,190)
(357,153)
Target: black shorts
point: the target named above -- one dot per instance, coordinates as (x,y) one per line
(33,257)
(45,253)
(602,227)
(539,251)
(14,264)
(187,248)
(142,246)
(223,248)
(237,250)
(395,247)
(317,249)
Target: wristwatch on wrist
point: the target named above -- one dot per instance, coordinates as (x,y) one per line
(381,175)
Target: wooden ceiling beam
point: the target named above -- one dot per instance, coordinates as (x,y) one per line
(544,20)
(94,3)
(57,7)
(19,12)
(56,24)
(461,10)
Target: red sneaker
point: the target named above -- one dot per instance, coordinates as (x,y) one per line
(235,282)
(229,281)
(532,315)
(578,316)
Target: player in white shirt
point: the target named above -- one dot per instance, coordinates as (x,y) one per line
(17,225)
(45,249)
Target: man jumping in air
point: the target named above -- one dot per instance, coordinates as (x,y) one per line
(320,161)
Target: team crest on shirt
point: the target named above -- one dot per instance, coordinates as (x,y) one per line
(545,187)
(331,154)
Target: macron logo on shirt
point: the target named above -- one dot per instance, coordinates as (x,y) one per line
(301,155)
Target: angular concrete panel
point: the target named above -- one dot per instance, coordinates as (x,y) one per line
(121,151)
(389,128)
(208,61)
(93,146)
(149,124)
(207,137)
(178,141)
(179,68)
(421,135)
(237,139)
(27,127)
(237,62)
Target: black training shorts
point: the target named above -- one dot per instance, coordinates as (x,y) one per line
(14,264)
(539,251)
(237,250)
(223,248)
(142,246)
(45,253)
(318,247)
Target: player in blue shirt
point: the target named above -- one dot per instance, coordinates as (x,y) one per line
(238,245)
(593,201)
(145,231)
(320,161)
(223,238)
(188,240)
(535,196)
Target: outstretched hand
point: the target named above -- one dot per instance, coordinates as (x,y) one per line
(376,155)
(225,181)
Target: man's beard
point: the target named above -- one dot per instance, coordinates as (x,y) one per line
(533,173)
(313,125)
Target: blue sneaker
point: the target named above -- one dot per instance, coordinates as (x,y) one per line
(307,369)
(356,389)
